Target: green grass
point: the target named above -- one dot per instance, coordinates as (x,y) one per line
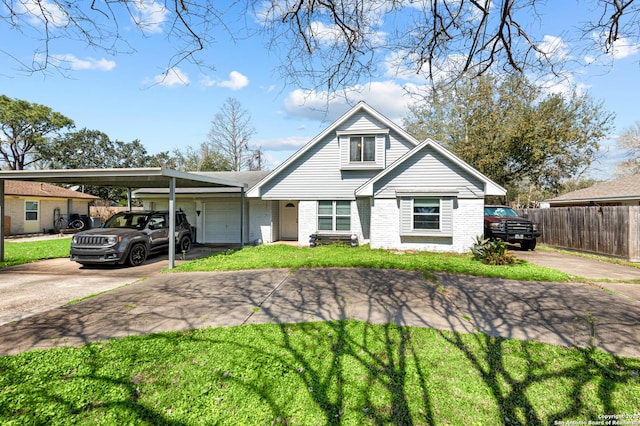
(18,253)
(284,256)
(341,372)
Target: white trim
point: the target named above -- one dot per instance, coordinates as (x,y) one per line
(491,188)
(255,191)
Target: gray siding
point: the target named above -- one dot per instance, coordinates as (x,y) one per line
(317,174)
(429,170)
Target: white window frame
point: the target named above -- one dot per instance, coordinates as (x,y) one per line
(428,214)
(27,211)
(334,215)
(362,140)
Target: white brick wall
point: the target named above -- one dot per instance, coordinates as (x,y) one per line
(307,221)
(260,220)
(385,228)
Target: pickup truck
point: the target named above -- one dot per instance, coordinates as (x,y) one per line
(503,223)
(130,237)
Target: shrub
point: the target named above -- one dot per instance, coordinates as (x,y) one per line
(491,252)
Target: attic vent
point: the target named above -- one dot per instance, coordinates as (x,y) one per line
(290,205)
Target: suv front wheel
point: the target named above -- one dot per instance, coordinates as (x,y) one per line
(184,245)
(137,254)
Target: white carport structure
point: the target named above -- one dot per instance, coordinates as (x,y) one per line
(125,178)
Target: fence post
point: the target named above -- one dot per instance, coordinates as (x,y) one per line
(634,234)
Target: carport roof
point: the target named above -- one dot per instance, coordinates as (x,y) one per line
(151,177)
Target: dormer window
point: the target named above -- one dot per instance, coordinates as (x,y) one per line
(362,148)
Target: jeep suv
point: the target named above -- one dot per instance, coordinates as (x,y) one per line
(503,223)
(130,237)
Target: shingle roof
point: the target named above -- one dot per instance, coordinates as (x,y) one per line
(620,189)
(41,189)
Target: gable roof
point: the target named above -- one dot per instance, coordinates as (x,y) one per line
(491,188)
(627,188)
(361,106)
(42,190)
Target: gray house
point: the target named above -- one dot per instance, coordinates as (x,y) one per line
(364,177)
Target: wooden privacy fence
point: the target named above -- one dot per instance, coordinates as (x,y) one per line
(612,231)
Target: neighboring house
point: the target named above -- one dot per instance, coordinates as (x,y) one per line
(620,192)
(362,176)
(33,207)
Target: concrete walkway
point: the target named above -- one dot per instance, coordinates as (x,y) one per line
(558,313)
(589,269)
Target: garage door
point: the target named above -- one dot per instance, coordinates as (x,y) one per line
(222,220)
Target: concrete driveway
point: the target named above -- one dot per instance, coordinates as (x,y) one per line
(38,287)
(559,313)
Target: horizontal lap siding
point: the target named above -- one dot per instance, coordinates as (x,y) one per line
(430,170)
(316,174)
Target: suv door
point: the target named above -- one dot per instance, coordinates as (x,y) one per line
(158,231)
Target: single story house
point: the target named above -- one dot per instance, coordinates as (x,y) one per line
(33,207)
(619,192)
(363,177)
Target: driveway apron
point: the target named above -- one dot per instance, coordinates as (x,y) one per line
(558,313)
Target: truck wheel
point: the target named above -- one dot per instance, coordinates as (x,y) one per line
(528,245)
(137,255)
(184,245)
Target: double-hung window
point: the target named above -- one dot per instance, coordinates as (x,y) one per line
(362,148)
(334,215)
(426,213)
(31,211)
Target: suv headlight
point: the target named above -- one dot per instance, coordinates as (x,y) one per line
(496,226)
(535,226)
(112,240)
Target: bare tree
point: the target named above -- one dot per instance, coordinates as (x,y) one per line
(230,133)
(331,43)
(629,140)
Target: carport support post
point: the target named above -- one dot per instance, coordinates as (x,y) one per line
(129,199)
(172,222)
(241,217)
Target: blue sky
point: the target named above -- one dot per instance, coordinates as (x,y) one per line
(122,95)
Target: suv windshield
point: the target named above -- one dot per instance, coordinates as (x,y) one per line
(500,212)
(127,220)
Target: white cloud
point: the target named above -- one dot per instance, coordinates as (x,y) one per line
(82,64)
(289,143)
(42,11)
(388,97)
(149,15)
(173,77)
(554,48)
(236,81)
(623,48)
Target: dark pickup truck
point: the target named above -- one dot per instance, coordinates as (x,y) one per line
(503,223)
(130,237)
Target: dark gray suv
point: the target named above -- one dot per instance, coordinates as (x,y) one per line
(130,237)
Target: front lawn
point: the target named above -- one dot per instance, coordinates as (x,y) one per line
(340,372)
(17,253)
(285,256)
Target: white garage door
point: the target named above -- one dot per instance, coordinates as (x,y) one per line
(222,220)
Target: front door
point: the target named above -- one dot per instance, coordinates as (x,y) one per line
(289,220)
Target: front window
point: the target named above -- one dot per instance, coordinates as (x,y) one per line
(127,220)
(334,215)
(362,148)
(426,213)
(31,211)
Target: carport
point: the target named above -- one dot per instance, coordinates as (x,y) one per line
(155,177)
